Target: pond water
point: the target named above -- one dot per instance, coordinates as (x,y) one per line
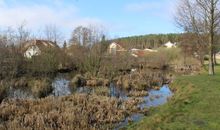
(19,94)
(154,99)
(60,86)
(157,97)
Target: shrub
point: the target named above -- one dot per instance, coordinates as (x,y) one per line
(162,58)
(187,61)
(11,62)
(45,63)
(113,66)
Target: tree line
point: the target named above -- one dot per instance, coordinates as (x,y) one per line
(147,41)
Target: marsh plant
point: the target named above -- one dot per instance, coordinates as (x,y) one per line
(78,111)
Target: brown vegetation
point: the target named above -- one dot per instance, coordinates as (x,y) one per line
(78,81)
(97,82)
(3,91)
(138,93)
(40,87)
(88,80)
(102,91)
(78,111)
(142,80)
(11,62)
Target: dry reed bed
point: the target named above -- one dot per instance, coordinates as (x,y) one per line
(79,111)
(143,80)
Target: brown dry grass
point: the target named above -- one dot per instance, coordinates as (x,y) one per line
(79,111)
(138,93)
(142,80)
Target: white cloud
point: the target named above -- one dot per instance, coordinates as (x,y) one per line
(160,8)
(37,16)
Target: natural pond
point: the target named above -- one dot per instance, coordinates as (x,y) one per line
(61,87)
(154,98)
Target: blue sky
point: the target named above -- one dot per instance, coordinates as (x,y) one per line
(118,17)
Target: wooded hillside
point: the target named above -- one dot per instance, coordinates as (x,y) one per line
(147,41)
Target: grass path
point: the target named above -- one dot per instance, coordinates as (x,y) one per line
(194,106)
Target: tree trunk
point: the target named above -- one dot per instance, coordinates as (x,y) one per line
(211,39)
(211,63)
(215,60)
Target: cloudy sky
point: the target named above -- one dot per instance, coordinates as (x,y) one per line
(119,17)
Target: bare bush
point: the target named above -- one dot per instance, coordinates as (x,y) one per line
(44,64)
(11,62)
(161,59)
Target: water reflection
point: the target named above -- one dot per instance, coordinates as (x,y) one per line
(117,92)
(19,94)
(156,97)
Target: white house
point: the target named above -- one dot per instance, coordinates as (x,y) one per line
(34,47)
(32,51)
(170,45)
(114,48)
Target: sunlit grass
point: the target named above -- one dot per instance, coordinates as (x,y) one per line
(195,105)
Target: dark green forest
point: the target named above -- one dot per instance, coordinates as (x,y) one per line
(147,41)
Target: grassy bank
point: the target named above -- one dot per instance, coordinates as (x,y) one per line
(194,106)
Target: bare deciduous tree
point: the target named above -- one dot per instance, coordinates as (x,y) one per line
(81,36)
(22,34)
(201,17)
(52,33)
(88,44)
(87,36)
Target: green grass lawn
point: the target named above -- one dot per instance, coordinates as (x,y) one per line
(194,106)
